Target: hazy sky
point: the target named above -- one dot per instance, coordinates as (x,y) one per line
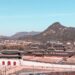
(34,15)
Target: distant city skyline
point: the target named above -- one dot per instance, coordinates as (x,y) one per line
(34,15)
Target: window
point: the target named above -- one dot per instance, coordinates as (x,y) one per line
(3,62)
(14,63)
(9,63)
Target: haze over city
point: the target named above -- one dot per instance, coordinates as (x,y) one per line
(34,15)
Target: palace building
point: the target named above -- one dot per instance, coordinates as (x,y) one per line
(10,57)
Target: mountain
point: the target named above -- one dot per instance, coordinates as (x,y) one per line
(3,37)
(56,31)
(23,34)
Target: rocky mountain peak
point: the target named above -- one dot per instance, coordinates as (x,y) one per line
(56,25)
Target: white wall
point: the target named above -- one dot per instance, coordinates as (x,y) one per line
(11,60)
(42,64)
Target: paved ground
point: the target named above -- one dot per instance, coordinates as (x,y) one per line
(51,59)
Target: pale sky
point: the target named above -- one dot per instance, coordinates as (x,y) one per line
(34,15)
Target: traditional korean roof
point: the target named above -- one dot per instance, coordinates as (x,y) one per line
(9,56)
(10,52)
